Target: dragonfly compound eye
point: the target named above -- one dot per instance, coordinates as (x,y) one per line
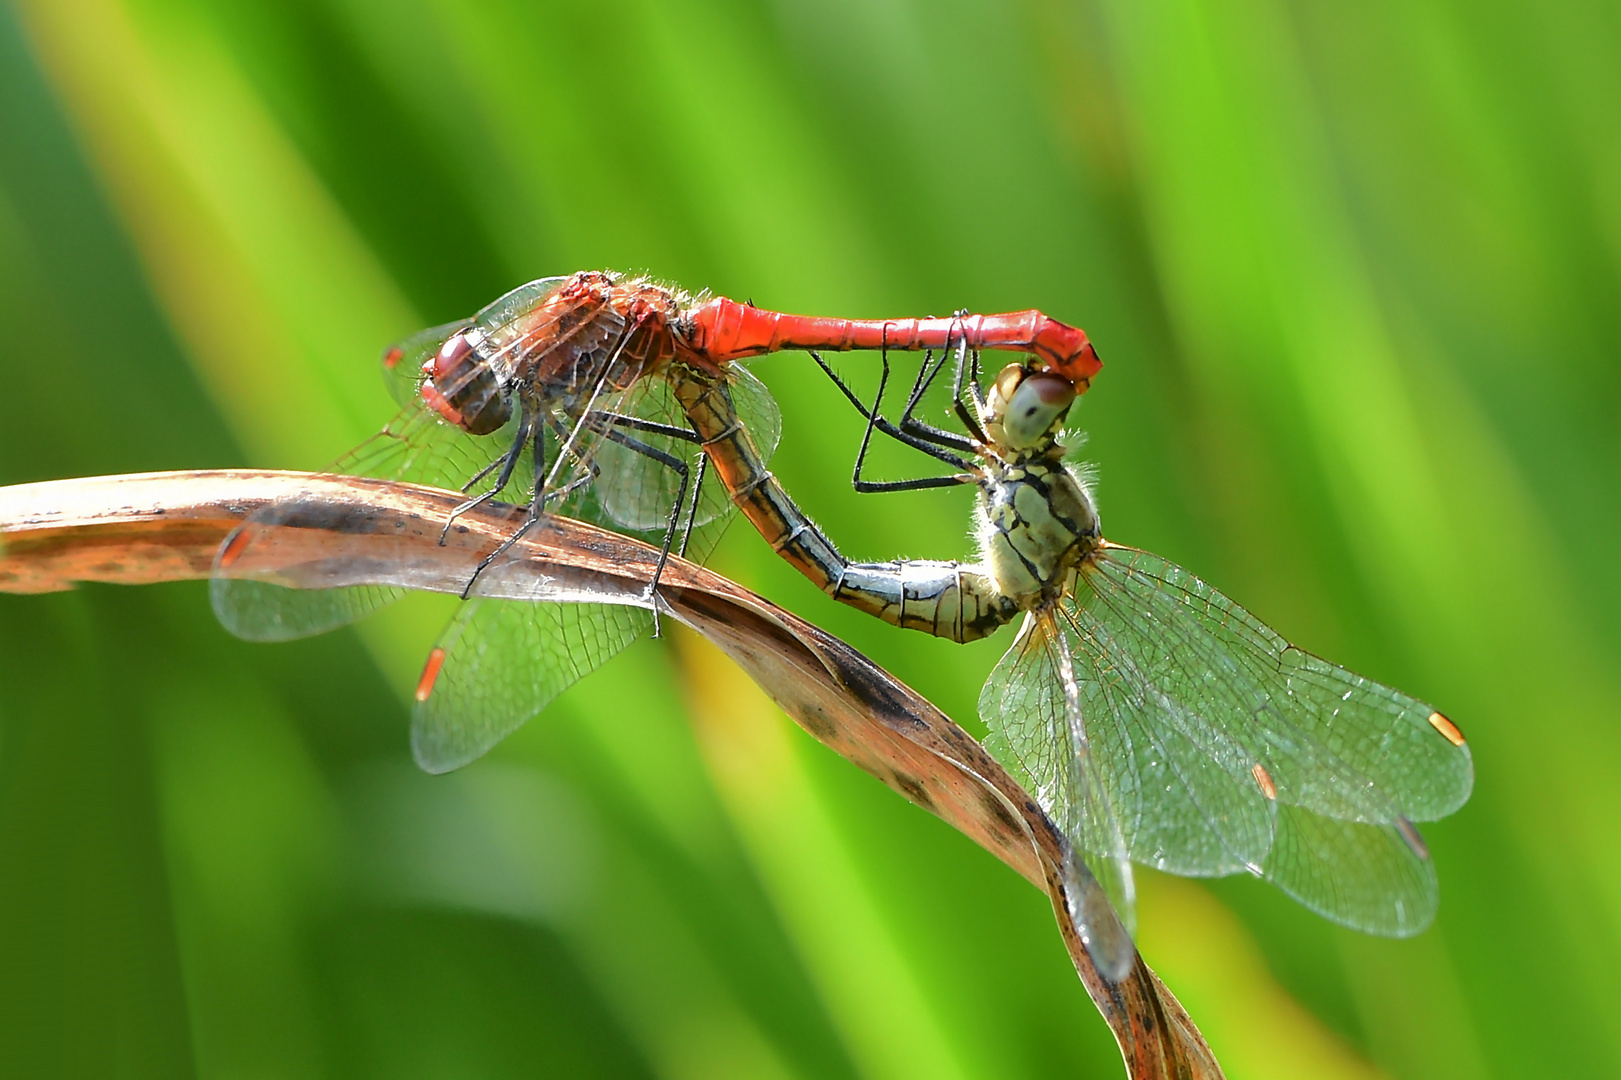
(463,387)
(1034,407)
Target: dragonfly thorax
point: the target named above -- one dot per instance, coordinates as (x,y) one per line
(558,345)
(1037,523)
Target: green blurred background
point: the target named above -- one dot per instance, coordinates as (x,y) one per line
(1354,271)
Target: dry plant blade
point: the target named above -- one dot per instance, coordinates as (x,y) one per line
(155,527)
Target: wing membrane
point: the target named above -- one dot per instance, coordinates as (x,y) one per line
(643,490)
(1371,877)
(402,361)
(1332,741)
(416,447)
(503,662)
(1033,706)
(611,456)
(1223,747)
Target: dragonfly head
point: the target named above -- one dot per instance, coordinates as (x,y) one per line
(463,387)
(1026,406)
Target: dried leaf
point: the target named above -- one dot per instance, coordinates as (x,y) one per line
(347,531)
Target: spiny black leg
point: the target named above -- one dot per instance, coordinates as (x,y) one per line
(543,478)
(604,420)
(926,376)
(872,487)
(916,442)
(482,473)
(669,461)
(697,493)
(962,357)
(872,415)
(507,463)
(531,516)
(971,422)
(966,372)
(538,499)
(536,503)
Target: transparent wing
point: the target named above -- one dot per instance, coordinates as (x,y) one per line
(263,611)
(502,320)
(403,360)
(1034,696)
(501,662)
(510,333)
(416,447)
(1377,878)
(637,491)
(1224,747)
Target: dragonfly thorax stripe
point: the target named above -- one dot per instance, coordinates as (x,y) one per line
(1036,524)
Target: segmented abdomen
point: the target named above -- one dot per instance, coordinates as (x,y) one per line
(945,599)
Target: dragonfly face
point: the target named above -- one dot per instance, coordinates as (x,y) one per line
(1036,521)
(463,386)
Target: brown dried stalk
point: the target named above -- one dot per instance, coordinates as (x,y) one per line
(167,526)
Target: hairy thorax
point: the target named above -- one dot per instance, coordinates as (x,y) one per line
(1037,524)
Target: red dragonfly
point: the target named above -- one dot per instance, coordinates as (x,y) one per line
(562,382)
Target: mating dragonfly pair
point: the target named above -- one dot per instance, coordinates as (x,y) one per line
(1154,719)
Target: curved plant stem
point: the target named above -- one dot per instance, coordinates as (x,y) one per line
(154,527)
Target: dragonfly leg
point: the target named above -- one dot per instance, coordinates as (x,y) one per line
(910,424)
(636,423)
(588,470)
(692,510)
(530,517)
(679,467)
(605,421)
(928,372)
(875,421)
(871,487)
(508,462)
(970,421)
(684,434)
(918,441)
(537,501)
(966,373)
(544,477)
(967,365)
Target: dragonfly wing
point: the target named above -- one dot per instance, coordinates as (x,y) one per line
(1331,741)
(1389,887)
(403,360)
(1041,730)
(756,408)
(501,662)
(416,447)
(263,611)
(1227,748)
(636,492)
